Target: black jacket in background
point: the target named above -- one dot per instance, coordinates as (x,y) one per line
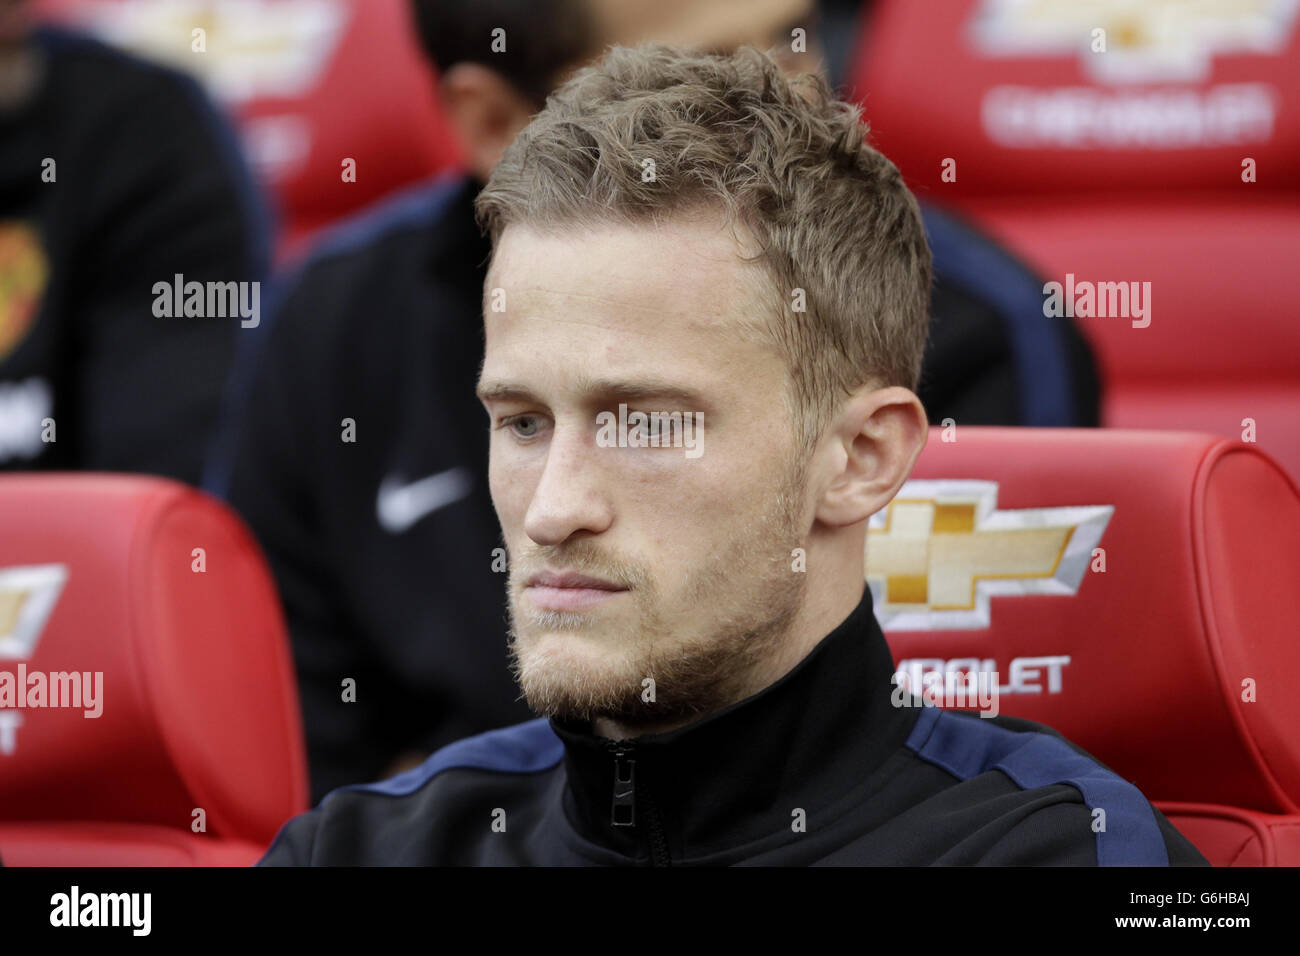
(383,326)
(148,184)
(819,768)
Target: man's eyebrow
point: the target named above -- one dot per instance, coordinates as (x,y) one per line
(667,392)
(503,392)
(643,389)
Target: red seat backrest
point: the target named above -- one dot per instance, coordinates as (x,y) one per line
(1221,352)
(310,83)
(1122,166)
(1013,90)
(157,598)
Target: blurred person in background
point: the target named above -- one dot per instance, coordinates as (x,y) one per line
(117,178)
(359,456)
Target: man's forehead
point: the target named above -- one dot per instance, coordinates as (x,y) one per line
(625,275)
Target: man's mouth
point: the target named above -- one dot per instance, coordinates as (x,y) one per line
(569,591)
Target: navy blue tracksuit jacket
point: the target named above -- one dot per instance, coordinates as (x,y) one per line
(821,767)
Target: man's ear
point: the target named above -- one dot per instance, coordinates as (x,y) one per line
(486,112)
(874,443)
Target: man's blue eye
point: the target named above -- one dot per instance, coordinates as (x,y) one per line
(525,426)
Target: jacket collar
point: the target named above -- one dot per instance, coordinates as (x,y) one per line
(736,777)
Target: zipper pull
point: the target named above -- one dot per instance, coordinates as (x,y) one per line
(623,812)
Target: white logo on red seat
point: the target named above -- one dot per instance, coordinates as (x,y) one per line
(1167,42)
(27,596)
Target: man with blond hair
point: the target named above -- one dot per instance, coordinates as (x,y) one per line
(679,233)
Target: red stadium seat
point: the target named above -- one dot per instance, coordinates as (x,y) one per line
(1222,352)
(1133,590)
(196,755)
(310,83)
(1122,166)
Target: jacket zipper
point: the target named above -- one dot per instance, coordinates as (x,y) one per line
(624,809)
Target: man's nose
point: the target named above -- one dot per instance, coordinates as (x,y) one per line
(572,495)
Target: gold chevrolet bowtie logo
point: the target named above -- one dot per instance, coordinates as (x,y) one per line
(941,549)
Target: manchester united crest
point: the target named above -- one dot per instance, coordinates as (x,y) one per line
(24,272)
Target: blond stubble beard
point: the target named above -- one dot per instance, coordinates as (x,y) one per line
(708,672)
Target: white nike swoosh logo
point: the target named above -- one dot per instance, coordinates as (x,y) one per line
(400,505)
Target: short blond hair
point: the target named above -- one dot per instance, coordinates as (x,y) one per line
(782,156)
